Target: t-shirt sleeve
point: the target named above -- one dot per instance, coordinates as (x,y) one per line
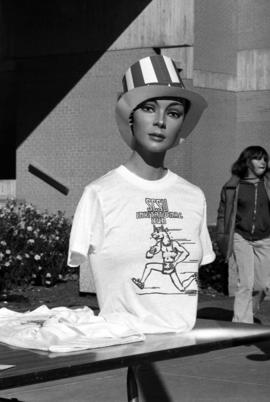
(87,228)
(208,254)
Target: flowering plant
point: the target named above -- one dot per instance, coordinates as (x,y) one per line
(33,245)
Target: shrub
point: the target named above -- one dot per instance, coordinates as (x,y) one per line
(33,245)
(215,275)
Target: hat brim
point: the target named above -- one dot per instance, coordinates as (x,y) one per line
(131,99)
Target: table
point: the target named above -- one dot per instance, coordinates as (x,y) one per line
(32,366)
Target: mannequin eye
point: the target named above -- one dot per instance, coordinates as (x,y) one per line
(175,114)
(148,108)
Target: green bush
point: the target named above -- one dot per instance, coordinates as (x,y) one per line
(33,245)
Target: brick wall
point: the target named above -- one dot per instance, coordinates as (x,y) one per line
(77,141)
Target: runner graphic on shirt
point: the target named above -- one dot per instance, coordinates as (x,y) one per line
(172,253)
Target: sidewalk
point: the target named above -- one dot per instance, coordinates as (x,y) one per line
(239,374)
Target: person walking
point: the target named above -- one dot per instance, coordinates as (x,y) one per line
(142,226)
(243,230)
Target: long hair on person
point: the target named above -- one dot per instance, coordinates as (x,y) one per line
(240,166)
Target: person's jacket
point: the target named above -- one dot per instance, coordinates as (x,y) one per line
(227,213)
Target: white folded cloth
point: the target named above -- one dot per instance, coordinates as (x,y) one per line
(62,329)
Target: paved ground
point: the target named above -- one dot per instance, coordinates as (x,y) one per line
(232,375)
(211,303)
(240,374)
(220,307)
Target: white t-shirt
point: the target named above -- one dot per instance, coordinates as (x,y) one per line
(145,240)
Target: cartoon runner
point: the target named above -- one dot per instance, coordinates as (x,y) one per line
(172,254)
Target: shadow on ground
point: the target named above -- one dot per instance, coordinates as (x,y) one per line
(147,375)
(215,313)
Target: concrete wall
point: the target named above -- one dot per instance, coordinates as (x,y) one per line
(213,146)
(232,69)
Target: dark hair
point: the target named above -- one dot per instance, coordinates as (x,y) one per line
(240,166)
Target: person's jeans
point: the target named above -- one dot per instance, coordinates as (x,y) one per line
(232,276)
(253,282)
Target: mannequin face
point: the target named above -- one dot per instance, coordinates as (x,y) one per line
(257,167)
(156,124)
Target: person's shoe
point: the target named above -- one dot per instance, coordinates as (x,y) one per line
(138,282)
(257,320)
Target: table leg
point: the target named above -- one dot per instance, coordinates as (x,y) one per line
(132,389)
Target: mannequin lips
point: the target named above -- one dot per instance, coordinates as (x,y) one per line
(157,136)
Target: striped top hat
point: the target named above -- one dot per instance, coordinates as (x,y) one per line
(155,77)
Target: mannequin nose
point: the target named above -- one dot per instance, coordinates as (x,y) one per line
(160,120)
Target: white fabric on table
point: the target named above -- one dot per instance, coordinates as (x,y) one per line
(62,329)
